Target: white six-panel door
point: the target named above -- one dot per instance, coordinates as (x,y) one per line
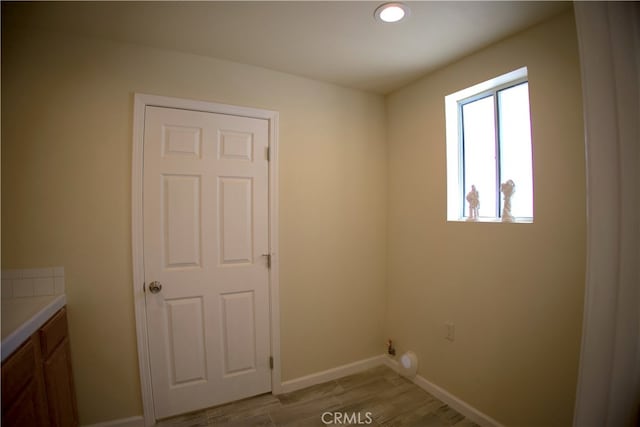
(205,202)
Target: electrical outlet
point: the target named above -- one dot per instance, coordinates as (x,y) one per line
(450,331)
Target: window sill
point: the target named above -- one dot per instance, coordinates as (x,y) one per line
(494,220)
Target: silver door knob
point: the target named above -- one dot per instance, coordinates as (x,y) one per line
(155,287)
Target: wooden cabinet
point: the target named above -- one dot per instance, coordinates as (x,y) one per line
(23,394)
(58,378)
(37,381)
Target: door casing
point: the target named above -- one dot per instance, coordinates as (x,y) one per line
(141,101)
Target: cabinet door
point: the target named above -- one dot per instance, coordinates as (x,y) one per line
(60,391)
(23,398)
(25,410)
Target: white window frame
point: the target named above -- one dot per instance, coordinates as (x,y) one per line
(455,165)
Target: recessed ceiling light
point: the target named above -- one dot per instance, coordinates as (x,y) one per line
(391,12)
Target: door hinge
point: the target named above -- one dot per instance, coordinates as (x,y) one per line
(268,154)
(268,258)
(144,287)
(271,362)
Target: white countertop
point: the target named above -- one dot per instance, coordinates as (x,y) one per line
(21,317)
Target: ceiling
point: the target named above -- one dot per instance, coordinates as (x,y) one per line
(337,42)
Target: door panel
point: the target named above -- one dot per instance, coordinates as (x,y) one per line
(236,220)
(181,220)
(235,145)
(186,350)
(239,344)
(181,141)
(205,201)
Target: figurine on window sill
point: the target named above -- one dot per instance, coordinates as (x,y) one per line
(508,189)
(474,203)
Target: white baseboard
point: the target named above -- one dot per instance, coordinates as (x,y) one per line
(123,422)
(331,374)
(459,405)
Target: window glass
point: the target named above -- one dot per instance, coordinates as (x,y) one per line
(480,154)
(515,146)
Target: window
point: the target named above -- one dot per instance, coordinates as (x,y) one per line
(489,143)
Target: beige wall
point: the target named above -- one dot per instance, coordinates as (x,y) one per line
(66,189)
(513,291)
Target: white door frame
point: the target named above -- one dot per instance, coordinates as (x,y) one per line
(141,101)
(609,375)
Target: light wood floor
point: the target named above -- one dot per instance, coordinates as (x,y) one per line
(380,393)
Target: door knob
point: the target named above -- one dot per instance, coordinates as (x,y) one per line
(155,287)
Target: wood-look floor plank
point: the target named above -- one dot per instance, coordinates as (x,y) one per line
(243,409)
(371,389)
(263,420)
(379,393)
(364,377)
(466,423)
(449,415)
(400,404)
(318,391)
(375,403)
(194,419)
(290,414)
(416,419)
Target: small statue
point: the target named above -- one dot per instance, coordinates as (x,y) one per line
(508,189)
(474,203)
